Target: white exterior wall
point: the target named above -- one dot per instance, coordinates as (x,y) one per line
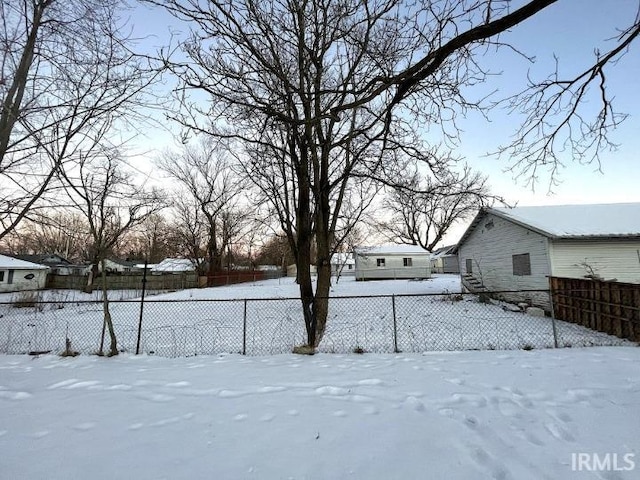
(491,251)
(367,269)
(18,282)
(619,259)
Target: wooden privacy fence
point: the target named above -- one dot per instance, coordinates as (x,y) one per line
(610,307)
(125,282)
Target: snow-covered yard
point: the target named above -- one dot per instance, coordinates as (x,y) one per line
(265,318)
(467,415)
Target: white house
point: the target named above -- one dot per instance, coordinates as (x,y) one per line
(174,266)
(445,260)
(16,275)
(519,248)
(343,264)
(392,262)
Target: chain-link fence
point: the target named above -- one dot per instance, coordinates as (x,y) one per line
(393,323)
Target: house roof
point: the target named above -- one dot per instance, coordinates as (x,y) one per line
(174,265)
(614,220)
(391,250)
(45,259)
(17,264)
(342,258)
(443,252)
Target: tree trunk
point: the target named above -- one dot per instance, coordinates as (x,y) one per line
(93,274)
(113,347)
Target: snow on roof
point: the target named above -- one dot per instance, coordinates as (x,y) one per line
(174,265)
(443,252)
(15,264)
(600,220)
(392,249)
(341,258)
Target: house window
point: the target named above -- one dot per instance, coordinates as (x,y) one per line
(380,262)
(349,267)
(521,264)
(407,262)
(469,263)
(1,276)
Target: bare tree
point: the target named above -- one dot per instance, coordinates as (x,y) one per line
(211,212)
(322,101)
(101,190)
(58,231)
(67,76)
(275,71)
(422,209)
(152,240)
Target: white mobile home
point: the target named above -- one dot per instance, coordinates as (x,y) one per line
(343,264)
(17,275)
(445,260)
(519,248)
(392,262)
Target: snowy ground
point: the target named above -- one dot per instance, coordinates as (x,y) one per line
(468,415)
(362,315)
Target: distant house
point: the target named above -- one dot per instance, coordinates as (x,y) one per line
(343,264)
(519,248)
(292,270)
(173,266)
(17,275)
(57,264)
(116,265)
(392,262)
(445,260)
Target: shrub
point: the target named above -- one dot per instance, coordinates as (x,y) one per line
(28,299)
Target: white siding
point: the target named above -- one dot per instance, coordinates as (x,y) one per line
(19,282)
(610,259)
(491,250)
(366,266)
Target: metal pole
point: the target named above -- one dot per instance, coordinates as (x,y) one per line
(395,325)
(244,329)
(553,321)
(144,288)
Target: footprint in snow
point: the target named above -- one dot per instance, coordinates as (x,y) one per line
(84,426)
(558,432)
(9,395)
(455,381)
(339,413)
(63,383)
(371,382)
(414,403)
(155,397)
(267,417)
(177,384)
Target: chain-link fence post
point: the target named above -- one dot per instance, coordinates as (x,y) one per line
(395,324)
(244,329)
(553,320)
(144,288)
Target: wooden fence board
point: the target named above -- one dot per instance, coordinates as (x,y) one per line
(610,307)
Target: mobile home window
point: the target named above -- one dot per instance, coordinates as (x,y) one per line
(469,265)
(521,264)
(407,262)
(380,262)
